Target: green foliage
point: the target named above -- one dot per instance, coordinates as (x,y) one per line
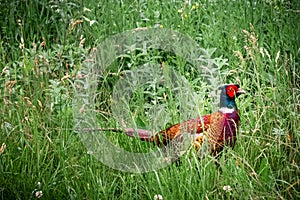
(43,45)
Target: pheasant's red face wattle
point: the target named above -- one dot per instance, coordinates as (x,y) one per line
(231,90)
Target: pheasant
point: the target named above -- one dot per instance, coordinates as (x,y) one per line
(217,129)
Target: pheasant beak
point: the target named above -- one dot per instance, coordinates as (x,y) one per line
(239,92)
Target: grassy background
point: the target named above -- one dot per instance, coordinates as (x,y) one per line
(42,47)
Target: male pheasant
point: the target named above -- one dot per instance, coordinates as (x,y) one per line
(217,129)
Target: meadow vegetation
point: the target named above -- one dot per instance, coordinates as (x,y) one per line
(43,45)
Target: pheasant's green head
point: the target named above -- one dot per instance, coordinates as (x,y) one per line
(228,94)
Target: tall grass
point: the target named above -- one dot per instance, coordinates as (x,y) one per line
(42,47)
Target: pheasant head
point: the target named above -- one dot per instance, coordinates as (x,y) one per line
(228,94)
